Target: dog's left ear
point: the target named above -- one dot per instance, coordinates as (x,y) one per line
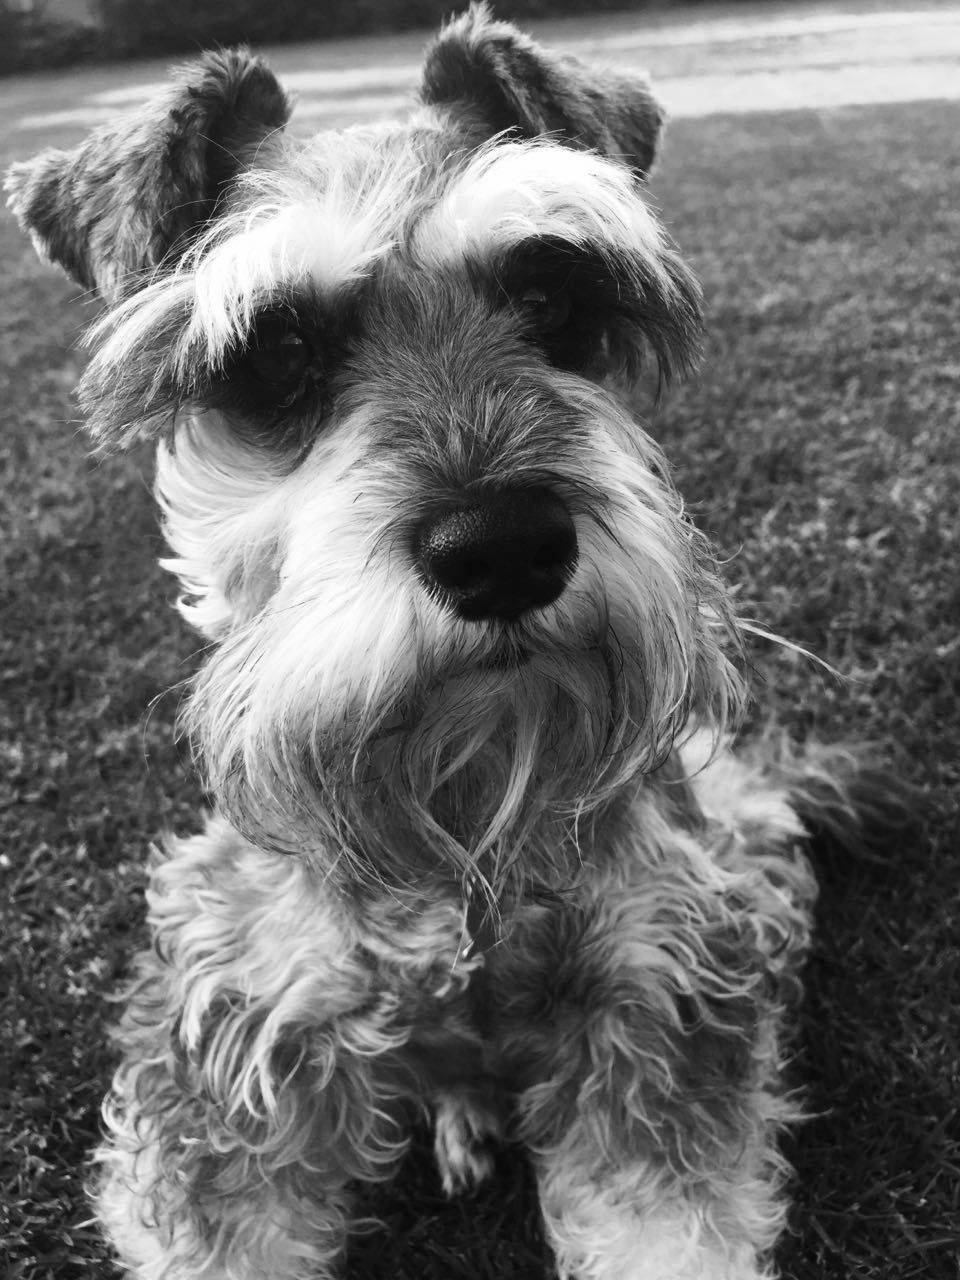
(135,192)
(501,80)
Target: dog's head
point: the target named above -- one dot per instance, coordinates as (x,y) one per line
(388,372)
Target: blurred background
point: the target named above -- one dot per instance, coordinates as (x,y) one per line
(48,33)
(37,34)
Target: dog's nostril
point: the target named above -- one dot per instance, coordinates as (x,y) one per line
(501,557)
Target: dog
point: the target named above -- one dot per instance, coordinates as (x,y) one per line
(480,847)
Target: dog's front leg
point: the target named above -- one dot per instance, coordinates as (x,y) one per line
(640,1026)
(256,1078)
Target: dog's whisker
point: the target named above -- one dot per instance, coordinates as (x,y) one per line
(762,633)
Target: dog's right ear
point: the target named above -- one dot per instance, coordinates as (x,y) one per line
(499,80)
(134,194)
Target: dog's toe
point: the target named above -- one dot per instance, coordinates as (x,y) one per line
(464,1133)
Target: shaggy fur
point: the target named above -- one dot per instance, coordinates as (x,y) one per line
(480,845)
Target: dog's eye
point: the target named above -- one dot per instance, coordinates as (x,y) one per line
(549,312)
(278,354)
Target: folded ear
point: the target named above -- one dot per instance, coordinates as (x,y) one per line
(134,193)
(500,80)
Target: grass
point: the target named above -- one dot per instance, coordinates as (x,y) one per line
(820,448)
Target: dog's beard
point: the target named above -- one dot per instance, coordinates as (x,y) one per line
(484,767)
(354,719)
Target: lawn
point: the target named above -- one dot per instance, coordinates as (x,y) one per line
(818,445)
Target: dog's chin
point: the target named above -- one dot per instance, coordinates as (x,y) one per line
(508,689)
(501,674)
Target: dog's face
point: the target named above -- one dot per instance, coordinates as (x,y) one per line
(387,370)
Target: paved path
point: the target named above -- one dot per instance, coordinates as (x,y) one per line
(778,58)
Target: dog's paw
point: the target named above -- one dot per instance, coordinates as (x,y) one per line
(464,1133)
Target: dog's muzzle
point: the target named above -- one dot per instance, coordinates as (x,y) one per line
(513,552)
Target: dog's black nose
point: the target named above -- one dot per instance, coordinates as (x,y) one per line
(515,550)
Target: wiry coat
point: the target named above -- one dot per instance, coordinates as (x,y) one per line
(502,868)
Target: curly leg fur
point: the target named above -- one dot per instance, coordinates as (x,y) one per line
(277,1041)
(643,1022)
(264,1067)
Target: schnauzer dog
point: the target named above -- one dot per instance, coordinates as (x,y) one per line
(480,848)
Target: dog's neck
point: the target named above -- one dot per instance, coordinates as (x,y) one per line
(548,850)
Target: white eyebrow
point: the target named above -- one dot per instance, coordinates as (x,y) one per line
(317,246)
(315,226)
(512,191)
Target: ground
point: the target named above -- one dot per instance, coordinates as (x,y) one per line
(818,445)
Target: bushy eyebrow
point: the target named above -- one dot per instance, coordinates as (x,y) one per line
(510,192)
(317,227)
(509,196)
(620,308)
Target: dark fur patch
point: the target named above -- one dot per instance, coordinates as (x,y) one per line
(501,80)
(575,1012)
(134,192)
(617,307)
